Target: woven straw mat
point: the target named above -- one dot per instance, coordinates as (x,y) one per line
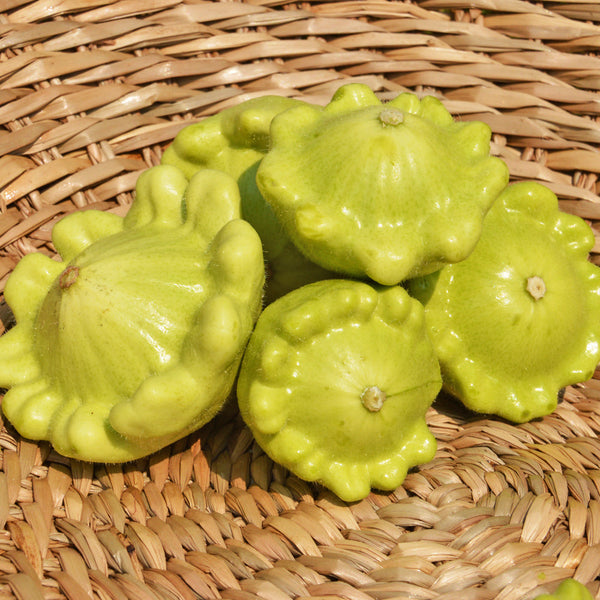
(91,92)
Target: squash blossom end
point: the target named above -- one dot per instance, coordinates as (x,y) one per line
(386,191)
(332,366)
(518,319)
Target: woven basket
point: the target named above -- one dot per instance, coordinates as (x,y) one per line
(91,92)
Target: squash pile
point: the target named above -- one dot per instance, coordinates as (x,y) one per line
(335,267)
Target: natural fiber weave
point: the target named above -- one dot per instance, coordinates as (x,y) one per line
(91,91)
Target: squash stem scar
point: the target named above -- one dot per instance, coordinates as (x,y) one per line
(391,116)
(536,287)
(373,398)
(68,277)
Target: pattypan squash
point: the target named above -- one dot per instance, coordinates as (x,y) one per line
(385,191)
(234,141)
(134,339)
(569,589)
(335,384)
(519,319)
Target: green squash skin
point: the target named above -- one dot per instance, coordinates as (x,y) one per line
(234,141)
(134,339)
(569,589)
(312,355)
(380,191)
(502,350)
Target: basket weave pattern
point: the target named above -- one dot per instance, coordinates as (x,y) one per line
(91,91)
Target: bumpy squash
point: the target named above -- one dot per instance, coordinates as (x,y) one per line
(381,191)
(335,384)
(133,340)
(518,319)
(234,141)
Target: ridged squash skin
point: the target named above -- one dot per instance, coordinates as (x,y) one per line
(335,384)
(133,339)
(234,141)
(519,319)
(385,191)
